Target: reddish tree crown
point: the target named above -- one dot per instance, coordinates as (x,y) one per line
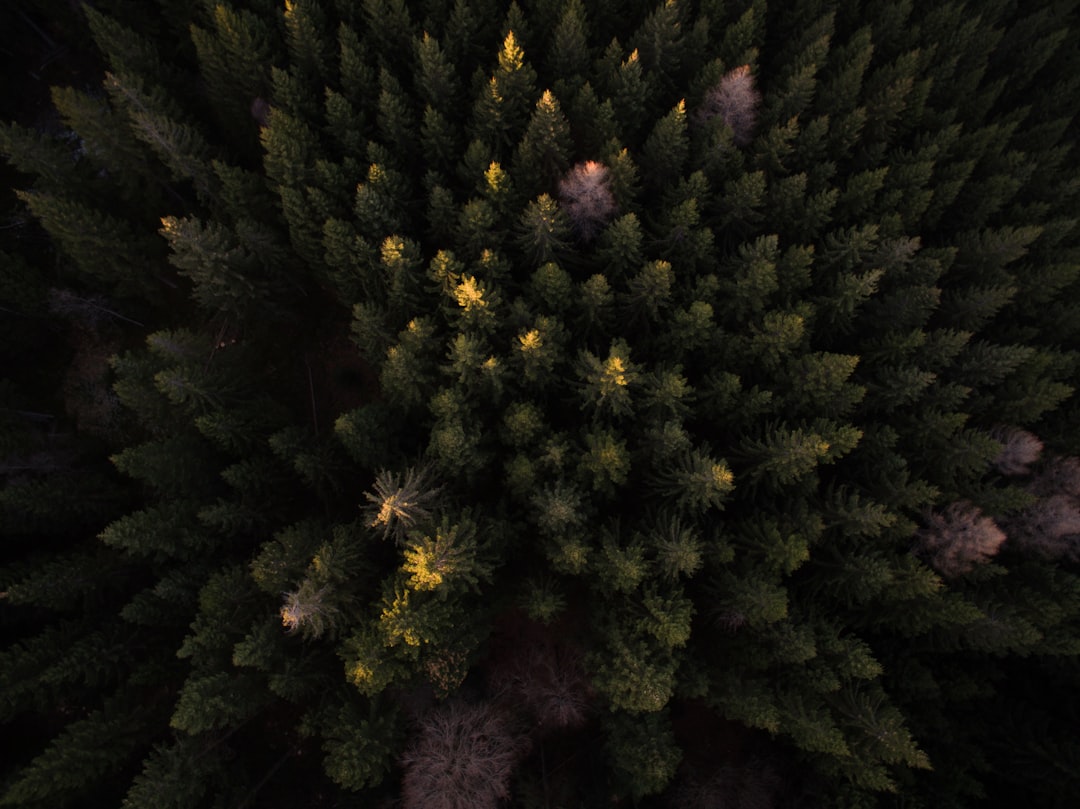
(1019,450)
(959,539)
(462,758)
(585,196)
(735,99)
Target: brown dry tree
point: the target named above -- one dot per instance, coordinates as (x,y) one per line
(960,538)
(585,195)
(462,757)
(735,100)
(1019,450)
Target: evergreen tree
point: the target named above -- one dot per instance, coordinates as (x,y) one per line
(710,365)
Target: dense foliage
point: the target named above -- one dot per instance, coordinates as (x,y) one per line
(464,404)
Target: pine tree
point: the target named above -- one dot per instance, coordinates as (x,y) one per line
(359,749)
(623,82)
(544,230)
(225,274)
(502,108)
(233,55)
(542,153)
(606,270)
(569,59)
(401,502)
(177,775)
(695,482)
(105,139)
(87,750)
(157,121)
(61,582)
(667,148)
(49,160)
(104,247)
(633,673)
(643,752)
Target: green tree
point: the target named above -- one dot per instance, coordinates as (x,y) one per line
(536,291)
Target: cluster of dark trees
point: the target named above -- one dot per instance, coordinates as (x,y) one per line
(460,403)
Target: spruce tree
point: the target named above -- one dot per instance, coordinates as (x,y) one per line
(503,393)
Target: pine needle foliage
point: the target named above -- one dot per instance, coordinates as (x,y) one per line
(400,503)
(711,367)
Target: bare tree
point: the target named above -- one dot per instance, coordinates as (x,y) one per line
(585,196)
(88,309)
(959,539)
(754,785)
(1019,450)
(548,680)
(735,99)
(1059,476)
(462,758)
(1051,527)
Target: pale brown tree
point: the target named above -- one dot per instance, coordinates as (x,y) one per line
(462,757)
(1019,450)
(547,680)
(585,195)
(1051,526)
(960,538)
(735,100)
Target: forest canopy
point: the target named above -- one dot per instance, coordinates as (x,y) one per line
(552,403)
